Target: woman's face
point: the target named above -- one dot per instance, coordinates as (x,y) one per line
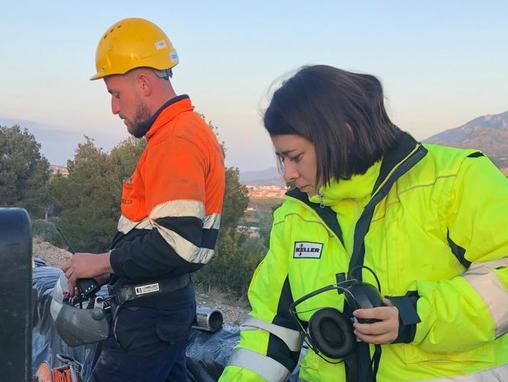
(298,158)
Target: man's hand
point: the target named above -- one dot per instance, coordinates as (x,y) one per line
(103,279)
(385,331)
(85,265)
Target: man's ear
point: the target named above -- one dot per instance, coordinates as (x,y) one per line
(144,83)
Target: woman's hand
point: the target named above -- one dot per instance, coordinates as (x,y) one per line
(385,331)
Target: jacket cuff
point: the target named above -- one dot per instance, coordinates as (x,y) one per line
(115,259)
(408,316)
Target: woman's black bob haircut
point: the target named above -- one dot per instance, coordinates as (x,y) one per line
(340,112)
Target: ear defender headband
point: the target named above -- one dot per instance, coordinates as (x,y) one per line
(330,332)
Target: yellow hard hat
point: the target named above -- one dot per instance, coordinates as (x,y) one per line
(133,43)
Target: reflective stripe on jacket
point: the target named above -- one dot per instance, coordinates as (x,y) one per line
(434,231)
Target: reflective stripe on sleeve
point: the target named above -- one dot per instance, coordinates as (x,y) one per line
(178,208)
(212,221)
(126,225)
(204,255)
(499,373)
(184,248)
(292,338)
(264,366)
(485,282)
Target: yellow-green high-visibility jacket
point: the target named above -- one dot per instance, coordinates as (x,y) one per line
(432,222)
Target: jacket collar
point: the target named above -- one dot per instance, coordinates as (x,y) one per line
(405,154)
(358,188)
(166,113)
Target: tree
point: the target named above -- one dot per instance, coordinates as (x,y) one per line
(236,199)
(24,172)
(89,198)
(125,156)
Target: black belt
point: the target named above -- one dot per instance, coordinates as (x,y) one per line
(128,292)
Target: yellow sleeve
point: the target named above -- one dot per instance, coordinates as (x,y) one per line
(472,309)
(270,342)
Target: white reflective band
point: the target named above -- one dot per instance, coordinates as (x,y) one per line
(292,338)
(204,255)
(499,373)
(266,367)
(125,225)
(485,282)
(178,208)
(184,248)
(212,221)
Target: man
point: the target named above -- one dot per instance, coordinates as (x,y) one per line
(170,207)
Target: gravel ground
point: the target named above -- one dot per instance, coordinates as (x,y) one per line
(233,311)
(53,256)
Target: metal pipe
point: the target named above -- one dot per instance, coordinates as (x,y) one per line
(208,319)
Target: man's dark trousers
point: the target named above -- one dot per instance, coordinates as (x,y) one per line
(146,344)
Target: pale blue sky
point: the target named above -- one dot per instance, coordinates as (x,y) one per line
(442,63)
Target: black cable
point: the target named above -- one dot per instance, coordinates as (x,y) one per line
(370,270)
(65,240)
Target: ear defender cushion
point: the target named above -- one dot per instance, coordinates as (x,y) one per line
(332,333)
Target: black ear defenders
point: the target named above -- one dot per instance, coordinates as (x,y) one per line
(330,332)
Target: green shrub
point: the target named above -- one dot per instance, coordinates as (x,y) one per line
(46,231)
(232,267)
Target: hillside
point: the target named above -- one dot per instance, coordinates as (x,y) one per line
(488,133)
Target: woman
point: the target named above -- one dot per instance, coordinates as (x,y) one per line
(371,202)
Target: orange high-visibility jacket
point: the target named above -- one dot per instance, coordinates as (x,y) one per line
(171,205)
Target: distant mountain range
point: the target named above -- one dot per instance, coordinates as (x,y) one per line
(56,145)
(488,133)
(270,176)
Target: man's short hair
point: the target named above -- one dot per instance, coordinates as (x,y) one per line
(165,73)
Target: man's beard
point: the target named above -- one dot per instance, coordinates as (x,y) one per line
(138,128)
